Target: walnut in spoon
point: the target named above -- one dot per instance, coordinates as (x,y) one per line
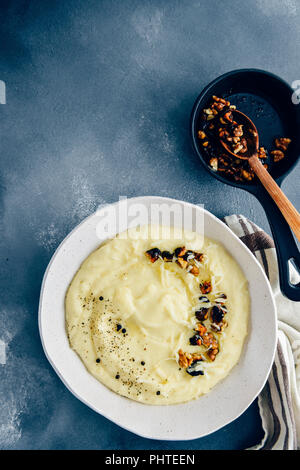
(241,140)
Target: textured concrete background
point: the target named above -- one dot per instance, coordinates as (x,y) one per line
(98,101)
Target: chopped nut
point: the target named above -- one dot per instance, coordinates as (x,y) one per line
(180,251)
(199,256)
(282,143)
(238,131)
(182,263)
(201,329)
(209,341)
(277,155)
(185,359)
(194,271)
(219,106)
(218,100)
(262,153)
(167,256)
(214,163)
(205,144)
(153,254)
(245,145)
(217,314)
(247,175)
(237,148)
(212,353)
(206,287)
(195,340)
(202,314)
(201,135)
(228,116)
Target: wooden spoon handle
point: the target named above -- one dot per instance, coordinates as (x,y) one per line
(287,209)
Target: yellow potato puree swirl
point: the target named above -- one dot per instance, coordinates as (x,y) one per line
(127,318)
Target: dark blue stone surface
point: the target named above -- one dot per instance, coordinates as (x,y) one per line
(98,101)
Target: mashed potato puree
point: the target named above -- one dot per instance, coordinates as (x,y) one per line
(127,318)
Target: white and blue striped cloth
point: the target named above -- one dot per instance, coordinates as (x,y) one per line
(279,402)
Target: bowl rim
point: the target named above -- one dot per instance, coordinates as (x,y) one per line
(130,427)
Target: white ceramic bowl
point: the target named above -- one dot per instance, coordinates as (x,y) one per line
(191,420)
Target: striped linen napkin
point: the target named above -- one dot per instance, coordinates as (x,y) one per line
(279,401)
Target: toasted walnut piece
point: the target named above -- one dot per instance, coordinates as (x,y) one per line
(209,341)
(212,353)
(223,133)
(219,106)
(199,256)
(201,135)
(197,357)
(237,148)
(182,263)
(247,175)
(167,256)
(201,329)
(217,314)
(153,254)
(194,271)
(238,131)
(262,153)
(245,145)
(185,359)
(219,100)
(202,314)
(206,287)
(213,162)
(195,340)
(228,116)
(282,143)
(180,251)
(277,155)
